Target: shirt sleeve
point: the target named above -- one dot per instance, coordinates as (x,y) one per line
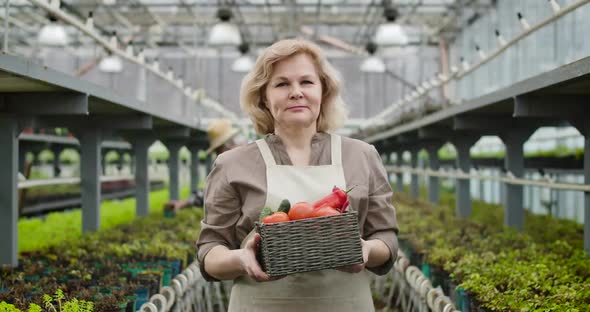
(222,211)
(381,222)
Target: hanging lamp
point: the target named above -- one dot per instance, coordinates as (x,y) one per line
(372,64)
(244,63)
(390,33)
(53,34)
(111,64)
(224,33)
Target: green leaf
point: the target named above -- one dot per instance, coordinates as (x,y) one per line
(266,211)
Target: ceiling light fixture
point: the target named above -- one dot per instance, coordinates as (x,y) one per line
(390,33)
(244,63)
(372,64)
(53,34)
(224,33)
(111,64)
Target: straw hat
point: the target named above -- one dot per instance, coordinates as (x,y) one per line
(219,132)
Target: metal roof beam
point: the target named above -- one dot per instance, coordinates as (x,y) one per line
(570,106)
(44,103)
(106,121)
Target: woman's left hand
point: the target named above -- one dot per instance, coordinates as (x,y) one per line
(355,268)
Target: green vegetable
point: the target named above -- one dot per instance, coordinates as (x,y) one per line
(266,211)
(285,206)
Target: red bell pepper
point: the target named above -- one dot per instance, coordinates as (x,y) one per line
(337,200)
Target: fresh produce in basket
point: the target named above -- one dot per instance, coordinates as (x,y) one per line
(266,211)
(301,210)
(327,236)
(338,200)
(333,204)
(285,206)
(276,217)
(267,216)
(324,211)
(328,241)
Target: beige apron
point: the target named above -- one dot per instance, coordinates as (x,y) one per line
(327,290)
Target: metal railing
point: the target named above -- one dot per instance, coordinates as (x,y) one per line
(73,180)
(189,292)
(405,287)
(506,178)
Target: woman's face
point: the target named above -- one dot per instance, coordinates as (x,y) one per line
(294,93)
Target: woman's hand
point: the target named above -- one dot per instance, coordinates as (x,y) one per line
(355,268)
(250,264)
(375,253)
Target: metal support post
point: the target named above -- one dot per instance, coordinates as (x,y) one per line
(462,190)
(35,160)
(56,149)
(584,128)
(194,168)
(587,194)
(399,180)
(22,158)
(141,146)
(174,167)
(103,161)
(433,182)
(514,162)
(414,183)
(120,160)
(90,156)
(6,25)
(9,131)
(132,162)
(389,161)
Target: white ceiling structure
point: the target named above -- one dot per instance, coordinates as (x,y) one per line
(173,23)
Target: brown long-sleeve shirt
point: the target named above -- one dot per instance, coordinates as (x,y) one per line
(235,193)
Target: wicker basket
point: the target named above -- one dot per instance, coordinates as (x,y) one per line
(309,244)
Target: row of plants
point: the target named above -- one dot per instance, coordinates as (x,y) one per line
(489,267)
(71,156)
(54,228)
(448,152)
(116,269)
(39,194)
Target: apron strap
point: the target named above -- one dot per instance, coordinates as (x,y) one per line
(336,149)
(269,160)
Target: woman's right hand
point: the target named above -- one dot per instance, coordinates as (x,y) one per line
(250,264)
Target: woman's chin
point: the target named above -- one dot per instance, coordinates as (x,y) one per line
(298,122)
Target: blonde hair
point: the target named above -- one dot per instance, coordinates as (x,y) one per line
(333,110)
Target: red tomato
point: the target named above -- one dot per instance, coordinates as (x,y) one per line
(276,217)
(324,211)
(300,210)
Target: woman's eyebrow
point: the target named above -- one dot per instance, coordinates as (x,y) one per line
(307,76)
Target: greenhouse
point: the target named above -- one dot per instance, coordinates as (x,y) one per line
(294,155)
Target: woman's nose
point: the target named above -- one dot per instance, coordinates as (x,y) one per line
(296,93)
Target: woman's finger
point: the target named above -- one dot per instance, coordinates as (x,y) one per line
(253,268)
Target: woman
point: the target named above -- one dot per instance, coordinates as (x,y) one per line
(293,97)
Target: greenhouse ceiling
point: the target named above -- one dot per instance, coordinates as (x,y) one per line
(186,23)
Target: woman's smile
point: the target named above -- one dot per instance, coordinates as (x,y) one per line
(297,107)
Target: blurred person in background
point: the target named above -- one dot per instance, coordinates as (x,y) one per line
(222,137)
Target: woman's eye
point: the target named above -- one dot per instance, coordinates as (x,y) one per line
(307,82)
(281,84)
